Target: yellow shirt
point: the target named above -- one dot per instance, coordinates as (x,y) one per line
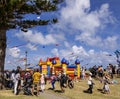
(36,77)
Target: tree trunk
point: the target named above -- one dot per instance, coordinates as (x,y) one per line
(2,55)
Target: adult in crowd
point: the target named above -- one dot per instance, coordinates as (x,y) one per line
(7,79)
(36,81)
(63,81)
(82,73)
(12,78)
(16,82)
(52,81)
(75,75)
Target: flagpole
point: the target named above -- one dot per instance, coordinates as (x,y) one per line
(26,60)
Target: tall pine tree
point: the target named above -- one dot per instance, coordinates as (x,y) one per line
(11,15)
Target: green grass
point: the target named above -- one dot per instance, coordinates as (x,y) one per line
(76,93)
(7,94)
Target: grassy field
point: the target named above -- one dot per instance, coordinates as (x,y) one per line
(76,93)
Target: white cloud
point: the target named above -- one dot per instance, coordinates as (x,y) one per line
(37,37)
(32,47)
(76,15)
(111,42)
(14,52)
(100,58)
(90,39)
(80,51)
(65,53)
(67,44)
(91,56)
(78,19)
(55,52)
(91,52)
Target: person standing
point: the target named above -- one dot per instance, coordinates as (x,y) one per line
(62,81)
(70,82)
(106,88)
(12,78)
(75,75)
(42,82)
(36,81)
(16,82)
(52,81)
(83,73)
(19,81)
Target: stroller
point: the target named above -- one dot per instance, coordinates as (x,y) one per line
(27,87)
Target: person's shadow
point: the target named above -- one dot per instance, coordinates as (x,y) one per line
(100,90)
(86,91)
(50,89)
(58,91)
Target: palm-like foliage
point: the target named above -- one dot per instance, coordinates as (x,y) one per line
(11,14)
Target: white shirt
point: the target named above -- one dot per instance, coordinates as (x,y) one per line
(17,77)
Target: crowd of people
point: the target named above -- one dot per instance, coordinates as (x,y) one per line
(32,82)
(104,75)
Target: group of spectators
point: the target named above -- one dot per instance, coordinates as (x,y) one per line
(63,79)
(32,82)
(12,79)
(110,69)
(104,75)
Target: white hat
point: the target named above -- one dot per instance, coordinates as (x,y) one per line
(90,74)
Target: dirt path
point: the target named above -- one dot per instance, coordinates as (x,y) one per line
(51,95)
(46,95)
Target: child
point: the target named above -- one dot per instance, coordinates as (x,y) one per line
(106,88)
(42,82)
(90,83)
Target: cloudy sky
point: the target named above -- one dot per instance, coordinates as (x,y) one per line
(87,30)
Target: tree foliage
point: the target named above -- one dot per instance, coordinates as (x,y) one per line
(12,12)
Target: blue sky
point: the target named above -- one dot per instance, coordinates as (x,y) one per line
(87,29)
